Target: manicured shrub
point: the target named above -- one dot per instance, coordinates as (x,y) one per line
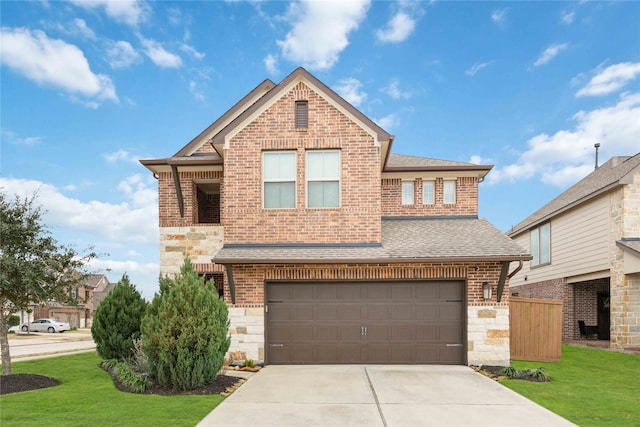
(185,331)
(116,323)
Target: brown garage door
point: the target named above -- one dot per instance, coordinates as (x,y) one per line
(379,322)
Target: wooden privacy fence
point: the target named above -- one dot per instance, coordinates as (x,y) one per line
(535,329)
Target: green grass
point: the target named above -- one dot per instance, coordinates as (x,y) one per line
(589,387)
(87,397)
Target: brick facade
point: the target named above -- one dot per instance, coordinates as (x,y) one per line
(466,198)
(357,220)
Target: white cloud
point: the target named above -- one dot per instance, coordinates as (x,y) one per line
(550,53)
(568,155)
(320,31)
(387,122)
(611,79)
(120,54)
(477,67)
(159,55)
(52,62)
(11,137)
(393,90)
(144,275)
(499,16)
(191,51)
(271,64)
(133,221)
(567,17)
(398,29)
(349,89)
(479,160)
(130,12)
(195,91)
(121,156)
(80,26)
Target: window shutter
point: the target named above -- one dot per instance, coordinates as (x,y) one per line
(302,114)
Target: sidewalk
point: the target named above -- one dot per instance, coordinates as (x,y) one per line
(39,345)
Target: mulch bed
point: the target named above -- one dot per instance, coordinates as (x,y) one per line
(492,372)
(25,382)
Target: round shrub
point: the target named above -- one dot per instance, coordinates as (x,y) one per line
(185,331)
(116,323)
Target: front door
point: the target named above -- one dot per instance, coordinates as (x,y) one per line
(604,315)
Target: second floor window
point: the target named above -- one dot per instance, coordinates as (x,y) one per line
(407,193)
(279,177)
(323,179)
(449,192)
(541,245)
(428,194)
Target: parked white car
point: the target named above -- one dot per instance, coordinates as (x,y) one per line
(46,325)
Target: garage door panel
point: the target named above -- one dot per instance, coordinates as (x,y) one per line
(402,312)
(302,312)
(380,322)
(350,312)
(326,312)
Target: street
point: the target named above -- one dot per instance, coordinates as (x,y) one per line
(40,345)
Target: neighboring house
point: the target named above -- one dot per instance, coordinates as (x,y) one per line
(102,289)
(327,247)
(586,251)
(78,315)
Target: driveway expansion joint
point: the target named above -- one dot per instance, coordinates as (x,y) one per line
(375,396)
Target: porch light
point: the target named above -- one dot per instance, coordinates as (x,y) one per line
(486,290)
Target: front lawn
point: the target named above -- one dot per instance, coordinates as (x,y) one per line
(589,387)
(87,397)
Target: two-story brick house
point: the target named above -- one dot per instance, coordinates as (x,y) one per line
(327,247)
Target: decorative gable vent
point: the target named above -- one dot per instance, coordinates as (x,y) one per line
(302,114)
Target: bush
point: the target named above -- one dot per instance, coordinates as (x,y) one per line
(185,331)
(116,323)
(13,320)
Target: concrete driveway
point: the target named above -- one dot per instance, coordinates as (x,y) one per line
(355,395)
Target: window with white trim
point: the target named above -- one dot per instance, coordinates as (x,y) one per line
(540,238)
(323,179)
(279,178)
(449,190)
(428,192)
(407,192)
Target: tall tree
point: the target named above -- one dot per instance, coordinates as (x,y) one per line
(34,268)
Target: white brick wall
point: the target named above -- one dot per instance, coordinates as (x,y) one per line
(247,331)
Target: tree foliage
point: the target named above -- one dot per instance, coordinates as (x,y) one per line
(34,268)
(185,331)
(116,323)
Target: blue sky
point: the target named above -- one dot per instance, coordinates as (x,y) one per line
(90,87)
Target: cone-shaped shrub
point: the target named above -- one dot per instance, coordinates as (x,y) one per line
(116,323)
(185,331)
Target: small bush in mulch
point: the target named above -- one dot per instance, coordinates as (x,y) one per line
(501,372)
(25,382)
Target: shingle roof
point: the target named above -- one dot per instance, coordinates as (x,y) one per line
(605,177)
(403,240)
(404,160)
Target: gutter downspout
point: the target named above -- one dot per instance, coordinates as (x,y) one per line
(176,183)
(504,276)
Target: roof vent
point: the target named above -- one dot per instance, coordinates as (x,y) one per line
(597,146)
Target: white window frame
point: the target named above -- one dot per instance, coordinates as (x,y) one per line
(452,196)
(324,179)
(432,185)
(539,240)
(408,193)
(294,180)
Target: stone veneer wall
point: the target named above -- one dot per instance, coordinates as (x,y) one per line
(625,289)
(487,321)
(199,242)
(488,335)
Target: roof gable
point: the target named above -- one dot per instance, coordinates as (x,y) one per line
(301,75)
(611,174)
